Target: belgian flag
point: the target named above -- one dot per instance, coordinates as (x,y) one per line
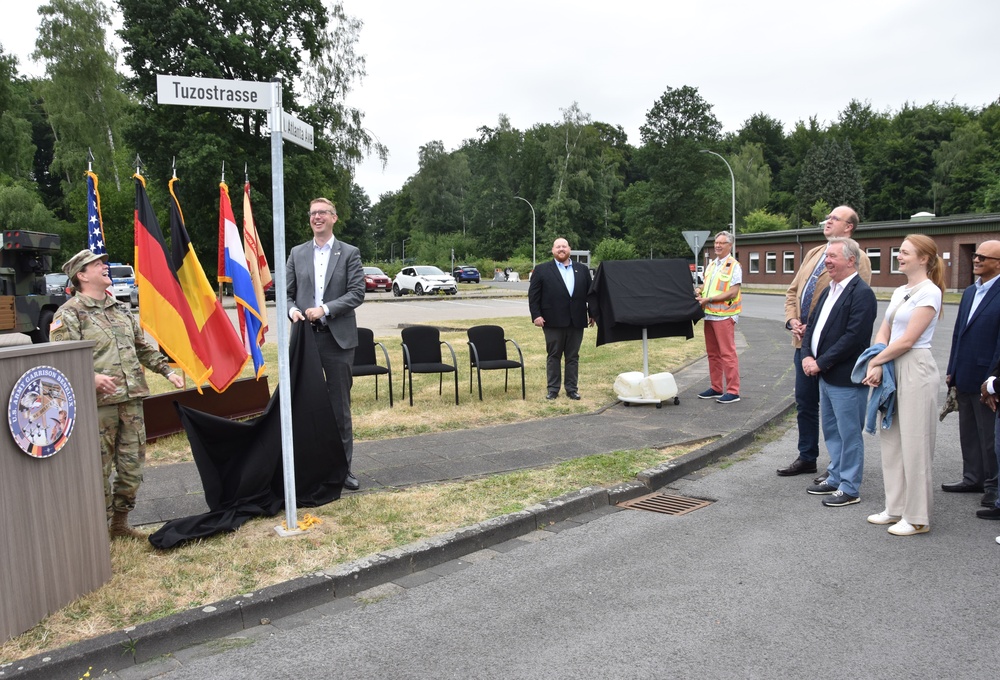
(226,355)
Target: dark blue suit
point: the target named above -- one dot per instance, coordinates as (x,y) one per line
(845,334)
(975,349)
(565,318)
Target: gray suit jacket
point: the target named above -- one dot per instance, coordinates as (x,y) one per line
(344,290)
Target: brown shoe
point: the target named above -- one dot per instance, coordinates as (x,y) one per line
(798,467)
(120,529)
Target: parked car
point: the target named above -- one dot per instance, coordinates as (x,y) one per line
(133,298)
(423,280)
(122,280)
(57,284)
(464,272)
(269,291)
(375,279)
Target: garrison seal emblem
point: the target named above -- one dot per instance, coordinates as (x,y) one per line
(41,411)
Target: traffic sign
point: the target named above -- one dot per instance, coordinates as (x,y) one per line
(696,239)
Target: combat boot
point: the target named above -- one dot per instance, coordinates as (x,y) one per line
(119,527)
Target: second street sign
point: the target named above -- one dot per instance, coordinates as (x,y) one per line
(229,94)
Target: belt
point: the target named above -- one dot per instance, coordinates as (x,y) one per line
(321,328)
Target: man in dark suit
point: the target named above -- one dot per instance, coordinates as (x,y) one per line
(837,332)
(326,283)
(557,301)
(975,348)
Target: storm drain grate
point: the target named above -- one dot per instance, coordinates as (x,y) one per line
(665,503)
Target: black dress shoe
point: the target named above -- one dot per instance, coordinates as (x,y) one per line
(551,395)
(962,487)
(351,483)
(989,499)
(991,513)
(575,396)
(798,467)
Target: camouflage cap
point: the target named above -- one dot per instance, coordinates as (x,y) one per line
(75,264)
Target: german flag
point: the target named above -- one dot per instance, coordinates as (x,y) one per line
(164,311)
(225,355)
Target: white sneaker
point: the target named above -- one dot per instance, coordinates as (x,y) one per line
(904,528)
(884,518)
(998,539)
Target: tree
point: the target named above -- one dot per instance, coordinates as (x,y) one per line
(963,170)
(753,180)
(15,128)
(769,134)
(830,174)
(761,220)
(614,249)
(253,40)
(679,186)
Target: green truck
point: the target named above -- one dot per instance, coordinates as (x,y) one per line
(25,304)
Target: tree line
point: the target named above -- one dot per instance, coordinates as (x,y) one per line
(581,178)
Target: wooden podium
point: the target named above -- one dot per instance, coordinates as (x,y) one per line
(53,534)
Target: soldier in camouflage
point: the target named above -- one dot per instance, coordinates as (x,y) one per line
(119,355)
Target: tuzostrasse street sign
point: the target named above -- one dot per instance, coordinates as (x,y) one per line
(229,94)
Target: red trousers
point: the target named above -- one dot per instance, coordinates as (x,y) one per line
(720,343)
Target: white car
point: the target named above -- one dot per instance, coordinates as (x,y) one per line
(423,280)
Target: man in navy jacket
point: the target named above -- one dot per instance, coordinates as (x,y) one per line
(838,331)
(557,301)
(975,349)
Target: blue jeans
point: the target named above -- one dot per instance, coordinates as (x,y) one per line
(807,407)
(843,413)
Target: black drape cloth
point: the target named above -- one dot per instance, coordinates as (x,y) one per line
(240,462)
(629,295)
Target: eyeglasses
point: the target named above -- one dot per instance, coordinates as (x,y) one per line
(980,256)
(834,218)
(314,213)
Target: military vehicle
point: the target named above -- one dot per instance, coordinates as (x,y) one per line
(25,305)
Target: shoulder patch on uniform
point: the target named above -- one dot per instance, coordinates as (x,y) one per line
(56,323)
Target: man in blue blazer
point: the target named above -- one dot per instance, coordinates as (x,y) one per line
(326,283)
(557,301)
(975,349)
(838,331)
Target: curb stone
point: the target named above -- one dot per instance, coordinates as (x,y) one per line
(178,631)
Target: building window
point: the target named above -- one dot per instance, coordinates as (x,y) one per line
(755,263)
(788,263)
(770,263)
(875,256)
(894,264)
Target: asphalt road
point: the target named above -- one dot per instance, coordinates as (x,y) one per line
(763,583)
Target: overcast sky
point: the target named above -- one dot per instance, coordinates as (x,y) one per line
(440,69)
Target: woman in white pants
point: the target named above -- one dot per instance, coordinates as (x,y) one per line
(908,445)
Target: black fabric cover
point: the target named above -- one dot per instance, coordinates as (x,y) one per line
(629,295)
(240,462)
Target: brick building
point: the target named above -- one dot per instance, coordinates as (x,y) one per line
(771,259)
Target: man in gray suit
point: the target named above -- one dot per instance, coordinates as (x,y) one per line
(326,283)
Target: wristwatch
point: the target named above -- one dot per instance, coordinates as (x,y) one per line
(788,325)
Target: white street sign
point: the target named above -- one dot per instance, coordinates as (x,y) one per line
(295,131)
(229,94)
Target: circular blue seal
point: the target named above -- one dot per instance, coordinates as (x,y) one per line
(41,411)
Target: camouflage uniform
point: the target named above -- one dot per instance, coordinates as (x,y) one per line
(121,352)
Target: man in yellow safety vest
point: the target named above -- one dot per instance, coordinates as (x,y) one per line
(720,298)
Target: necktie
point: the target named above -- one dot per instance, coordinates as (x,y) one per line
(807,296)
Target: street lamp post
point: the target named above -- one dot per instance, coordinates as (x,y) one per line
(734,192)
(532,230)
(404,249)
(392,252)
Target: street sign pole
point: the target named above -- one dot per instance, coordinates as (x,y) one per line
(243,94)
(281,303)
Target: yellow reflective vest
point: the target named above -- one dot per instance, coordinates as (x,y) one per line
(719,279)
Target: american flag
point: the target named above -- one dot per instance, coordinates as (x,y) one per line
(95,228)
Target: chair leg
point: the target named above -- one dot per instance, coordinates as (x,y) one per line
(456,385)
(376,387)
(441,383)
(523,393)
(389,378)
(505,376)
(479,379)
(411,388)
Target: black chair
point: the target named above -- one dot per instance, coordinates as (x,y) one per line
(488,352)
(366,363)
(422,354)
